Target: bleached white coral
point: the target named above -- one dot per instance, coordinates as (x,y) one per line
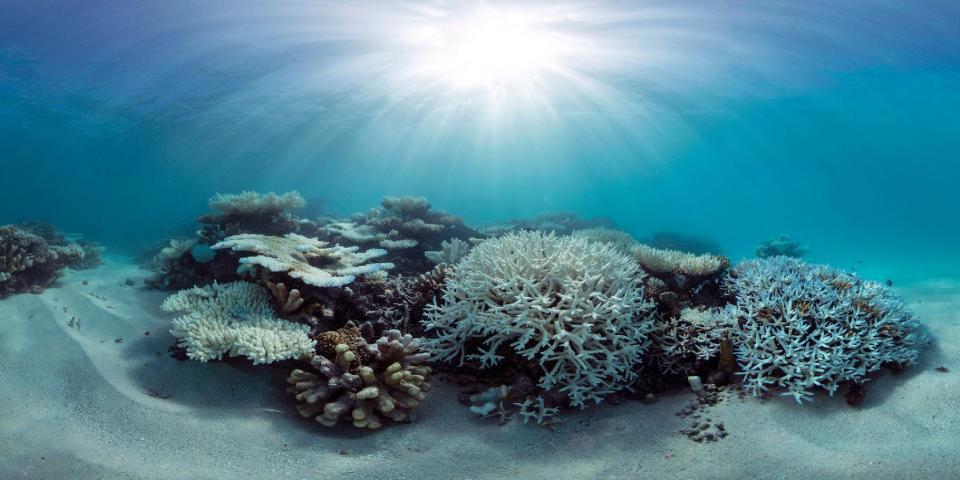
(450,253)
(251,203)
(623,241)
(536,411)
(663,262)
(800,326)
(574,307)
(295,255)
(234,319)
(177,248)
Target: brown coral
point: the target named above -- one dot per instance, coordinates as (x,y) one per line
(390,383)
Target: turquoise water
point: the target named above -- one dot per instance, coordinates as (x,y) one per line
(834,124)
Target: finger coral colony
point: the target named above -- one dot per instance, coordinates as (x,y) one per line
(536,317)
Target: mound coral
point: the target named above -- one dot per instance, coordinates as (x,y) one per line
(235,319)
(365,383)
(29,264)
(307,259)
(800,327)
(781,246)
(574,308)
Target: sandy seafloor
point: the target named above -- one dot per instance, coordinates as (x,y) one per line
(76,404)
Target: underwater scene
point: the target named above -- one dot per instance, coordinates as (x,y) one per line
(434,239)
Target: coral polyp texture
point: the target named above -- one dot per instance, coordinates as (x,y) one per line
(307,259)
(235,319)
(803,327)
(572,307)
(781,246)
(29,264)
(387,381)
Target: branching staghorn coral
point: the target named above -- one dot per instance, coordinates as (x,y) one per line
(572,307)
(306,259)
(234,319)
(800,327)
(450,253)
(387,381)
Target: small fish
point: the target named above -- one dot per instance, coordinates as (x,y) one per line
(942,369)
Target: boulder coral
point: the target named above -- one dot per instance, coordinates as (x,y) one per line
(363,383)
(802,327)
(573,308)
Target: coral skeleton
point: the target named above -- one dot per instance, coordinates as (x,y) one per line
(574,308)
(801,327)
(386,381)
(536,410)
(234,319)
(299,257)
(450,253)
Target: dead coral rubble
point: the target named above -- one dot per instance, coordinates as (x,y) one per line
(386,382)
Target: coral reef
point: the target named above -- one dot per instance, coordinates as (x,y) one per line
(250,212)
(29,264)
(234,319)
(386,381)
(622,241)
(801,327)
(450,253)
(781,245)
(307,259)
(574,308)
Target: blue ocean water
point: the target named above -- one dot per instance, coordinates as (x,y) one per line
(836,124)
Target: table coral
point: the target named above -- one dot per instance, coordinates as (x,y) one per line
(781,245)
(574,307)
(387,382)
(307,259)
(623,241)
(234,319)
(250,212)
(801,327)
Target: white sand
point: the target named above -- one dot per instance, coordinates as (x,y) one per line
(74,404)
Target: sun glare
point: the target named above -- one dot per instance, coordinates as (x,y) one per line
(491,49)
